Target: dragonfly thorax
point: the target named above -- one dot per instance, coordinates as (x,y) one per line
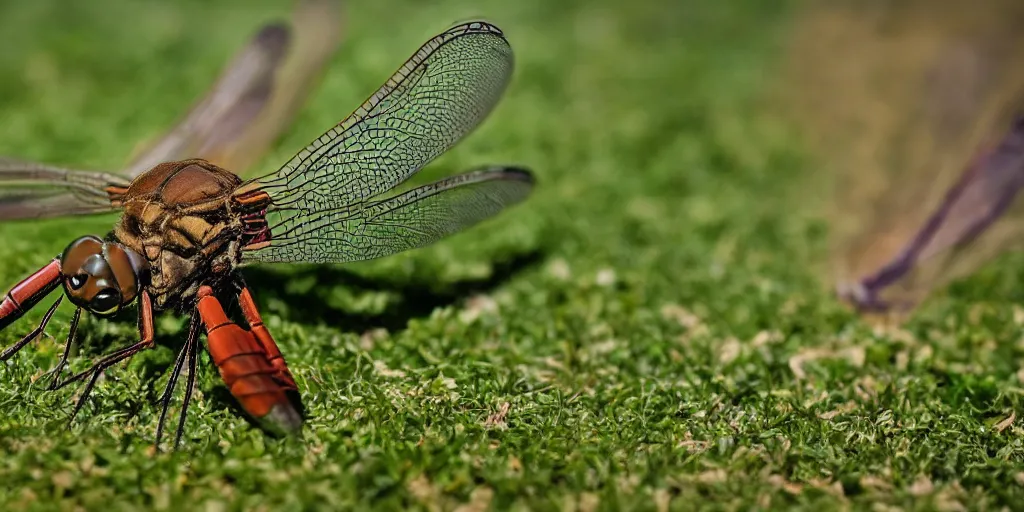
(185,220)
(100,276)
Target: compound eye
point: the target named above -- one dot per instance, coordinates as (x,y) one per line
(78,281)
(78,252)
(106,301)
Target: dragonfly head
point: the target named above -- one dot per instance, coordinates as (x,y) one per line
(101,276)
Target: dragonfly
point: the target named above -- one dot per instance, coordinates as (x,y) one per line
(188,227)
(921,130)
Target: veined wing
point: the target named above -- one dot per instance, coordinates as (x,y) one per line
(321,210)
(257,94)
(410,220)
(35,190)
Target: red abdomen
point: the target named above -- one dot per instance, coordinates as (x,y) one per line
(258,379)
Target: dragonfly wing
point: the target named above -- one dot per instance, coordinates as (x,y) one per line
(970,210)
(234,101)
(437,97)
(317,30)
(256,96)
(410,220)
(898,100)
(254,99)
(35,190)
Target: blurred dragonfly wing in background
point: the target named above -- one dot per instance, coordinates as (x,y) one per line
(257,95)
(911,109)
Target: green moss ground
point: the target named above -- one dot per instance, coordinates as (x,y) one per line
(645,332)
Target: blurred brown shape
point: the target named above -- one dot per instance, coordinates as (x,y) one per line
(257,95)
(910,107)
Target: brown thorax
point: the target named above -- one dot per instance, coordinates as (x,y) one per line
(186,219)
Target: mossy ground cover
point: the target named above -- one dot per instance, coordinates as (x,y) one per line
(647,331)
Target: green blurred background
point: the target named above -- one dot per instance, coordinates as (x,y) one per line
(647,331)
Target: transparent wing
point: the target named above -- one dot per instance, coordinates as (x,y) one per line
(410,220)
(437,97)
(910,107)
(34,190)
(256,96)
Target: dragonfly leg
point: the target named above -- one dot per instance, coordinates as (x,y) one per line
(190,385)
(146,333)
(13,349)
(187,352)
(29,292)
(22,297)
(246,369)
(55,373)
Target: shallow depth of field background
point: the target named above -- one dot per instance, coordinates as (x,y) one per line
(647,331)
